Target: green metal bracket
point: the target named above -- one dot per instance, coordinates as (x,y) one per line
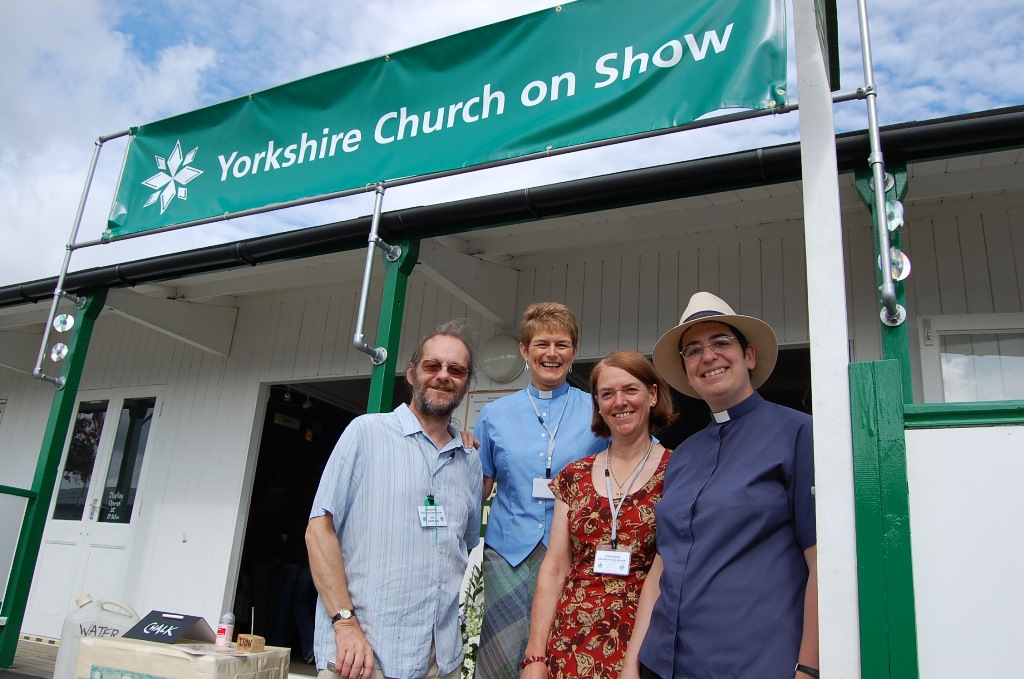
(895,341)
(19,492)
(389,328)
(888,622)
(38,504)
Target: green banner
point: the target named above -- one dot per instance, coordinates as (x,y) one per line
(581,72)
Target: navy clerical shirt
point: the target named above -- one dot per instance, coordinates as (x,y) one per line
(737,515)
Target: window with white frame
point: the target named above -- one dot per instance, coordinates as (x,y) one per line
(972,357)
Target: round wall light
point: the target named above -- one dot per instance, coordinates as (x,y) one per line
(500,358)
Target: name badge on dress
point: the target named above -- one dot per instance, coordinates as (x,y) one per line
(541,489)
(608,561)
(432,516)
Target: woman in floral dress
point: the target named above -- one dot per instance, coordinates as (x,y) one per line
(602,537)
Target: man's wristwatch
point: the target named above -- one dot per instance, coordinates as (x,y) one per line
(809,671)
(343,614)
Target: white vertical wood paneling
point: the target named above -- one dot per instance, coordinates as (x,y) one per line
(751,287)
(794,279)
(611,306)
(729,282)
(589,313)
(574,285)
(542,285)
(924,277)
(669,306)
(708,275)
(648,328)
(1001,269)
(952,291)
(559,283)
(862,286)
(772,271)
(1015,219)
(975,264)
(629,303)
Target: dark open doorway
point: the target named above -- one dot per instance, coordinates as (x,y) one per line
(274,595)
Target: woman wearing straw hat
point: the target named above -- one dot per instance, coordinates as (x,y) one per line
(733,590)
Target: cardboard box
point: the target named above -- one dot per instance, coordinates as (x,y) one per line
(131,659)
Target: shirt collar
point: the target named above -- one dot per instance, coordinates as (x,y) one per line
(411,426)
(555,393)
(739,410)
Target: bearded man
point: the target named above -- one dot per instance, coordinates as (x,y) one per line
(392,523)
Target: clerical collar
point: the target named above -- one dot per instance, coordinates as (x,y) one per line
(739,410)
(537,393)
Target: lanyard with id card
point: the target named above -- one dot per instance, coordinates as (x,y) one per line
(432,515)
(541,490)
(614,559)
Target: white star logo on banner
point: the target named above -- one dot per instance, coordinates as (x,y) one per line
(174,174)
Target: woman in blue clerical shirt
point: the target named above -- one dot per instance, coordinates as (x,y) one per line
(526,438)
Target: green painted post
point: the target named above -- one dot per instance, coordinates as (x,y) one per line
(885,569)
(895,341)
(38,504)
(389,328)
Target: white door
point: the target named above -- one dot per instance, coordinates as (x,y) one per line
(97,497)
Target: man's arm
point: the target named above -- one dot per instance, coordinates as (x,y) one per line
(488,487)
(809,641)
(354,655)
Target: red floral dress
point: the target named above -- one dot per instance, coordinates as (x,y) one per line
(595,613)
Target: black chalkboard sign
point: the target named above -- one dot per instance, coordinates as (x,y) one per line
(170,628)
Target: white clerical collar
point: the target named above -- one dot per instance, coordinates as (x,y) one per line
(721,417)
(537,393)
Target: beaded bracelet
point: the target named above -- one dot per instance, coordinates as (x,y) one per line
(532,659)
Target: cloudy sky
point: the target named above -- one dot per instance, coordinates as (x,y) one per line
(74,70)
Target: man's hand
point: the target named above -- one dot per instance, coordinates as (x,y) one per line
(355,657)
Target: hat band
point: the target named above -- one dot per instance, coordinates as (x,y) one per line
(702,314)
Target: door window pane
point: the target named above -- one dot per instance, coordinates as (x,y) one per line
(126,460)
(983,367)
(77,473)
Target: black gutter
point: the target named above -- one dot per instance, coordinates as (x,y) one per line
(908,142)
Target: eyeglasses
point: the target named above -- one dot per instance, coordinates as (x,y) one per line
(432,367)
(719,345)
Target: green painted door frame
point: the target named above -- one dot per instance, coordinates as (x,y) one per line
(389,328)
(888,622)
(45,480)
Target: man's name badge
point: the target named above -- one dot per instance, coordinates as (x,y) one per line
(608,561)
(541,489)
(432,516)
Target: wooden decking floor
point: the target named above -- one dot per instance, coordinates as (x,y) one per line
(33,659)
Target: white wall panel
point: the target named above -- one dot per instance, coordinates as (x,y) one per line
(964,512)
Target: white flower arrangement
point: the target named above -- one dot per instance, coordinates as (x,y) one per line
(471,616)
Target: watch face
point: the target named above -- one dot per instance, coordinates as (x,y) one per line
(343,614)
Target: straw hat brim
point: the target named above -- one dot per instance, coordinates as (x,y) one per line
(757,333)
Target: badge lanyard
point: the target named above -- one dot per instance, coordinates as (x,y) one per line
(551,433)
(429,502)
(611,502)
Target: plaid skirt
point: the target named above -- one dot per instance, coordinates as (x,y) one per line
(508,596)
